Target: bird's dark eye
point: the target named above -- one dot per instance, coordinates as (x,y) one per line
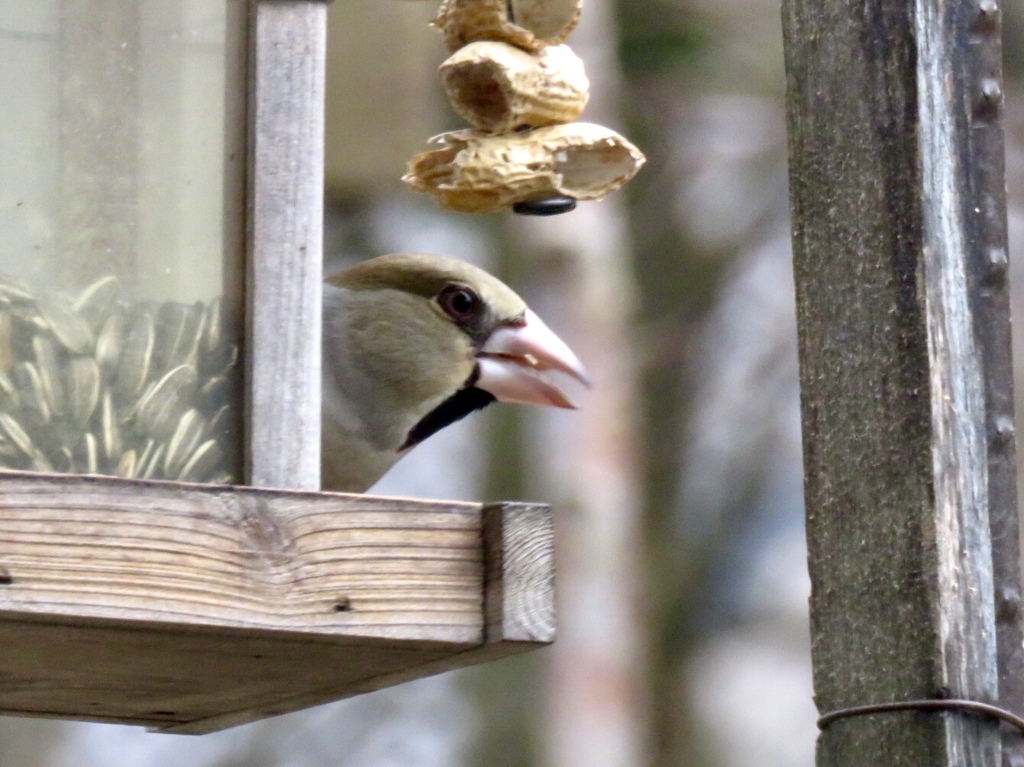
(459,303)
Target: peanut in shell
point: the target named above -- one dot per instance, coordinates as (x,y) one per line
(526,24)
(473,172)
(498,88)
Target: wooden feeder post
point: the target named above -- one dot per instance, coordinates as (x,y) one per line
(900,260)
(138,583)
(286,241)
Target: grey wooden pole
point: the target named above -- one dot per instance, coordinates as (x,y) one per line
(899,252)
(285,258)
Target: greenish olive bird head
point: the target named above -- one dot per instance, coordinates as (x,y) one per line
(415,342)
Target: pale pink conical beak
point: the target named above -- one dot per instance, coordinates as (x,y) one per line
(514,359)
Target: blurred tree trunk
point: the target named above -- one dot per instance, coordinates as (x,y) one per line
(709,196)
(577,274)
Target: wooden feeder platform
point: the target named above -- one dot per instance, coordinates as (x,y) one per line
(189,608)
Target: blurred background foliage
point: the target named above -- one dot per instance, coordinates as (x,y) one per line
(682,579)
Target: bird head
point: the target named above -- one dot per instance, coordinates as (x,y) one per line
(427,340)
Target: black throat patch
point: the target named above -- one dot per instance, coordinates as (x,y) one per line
(455,408)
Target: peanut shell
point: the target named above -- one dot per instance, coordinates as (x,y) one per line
(498,88)
(476,173)
(527,24)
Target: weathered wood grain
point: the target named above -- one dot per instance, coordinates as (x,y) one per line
(520,545)
(197,607)
(184,681)
(518,554)
(896,207)
(285,243)
(987,266)
(234,559)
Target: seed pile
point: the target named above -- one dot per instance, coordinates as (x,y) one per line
(98,384)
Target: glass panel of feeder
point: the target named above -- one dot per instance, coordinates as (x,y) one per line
(121,200)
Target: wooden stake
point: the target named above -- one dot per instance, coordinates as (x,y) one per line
(899,253)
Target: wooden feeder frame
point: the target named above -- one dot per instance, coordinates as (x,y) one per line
(189,608)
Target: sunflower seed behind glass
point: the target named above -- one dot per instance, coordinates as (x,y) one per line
(163,402)
(183,442)
(9,399)
(16,434)
(169,324)
(186,350)
(66,324)
(228,359)
(95,303)
(65,460)
(22,331)
(111,340)
(213,335)
(100,384)
(136,357)
(6,354)
(220,426)
(110,431)
(126,466)
(51,372)
(41,463)
(147,450)
(201,463)
(149,469)
(214,394)
(92,463)
(30,387)
(83,389)
(13,291)
(9,452)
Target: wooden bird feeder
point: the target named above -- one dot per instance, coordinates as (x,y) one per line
(166,558)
